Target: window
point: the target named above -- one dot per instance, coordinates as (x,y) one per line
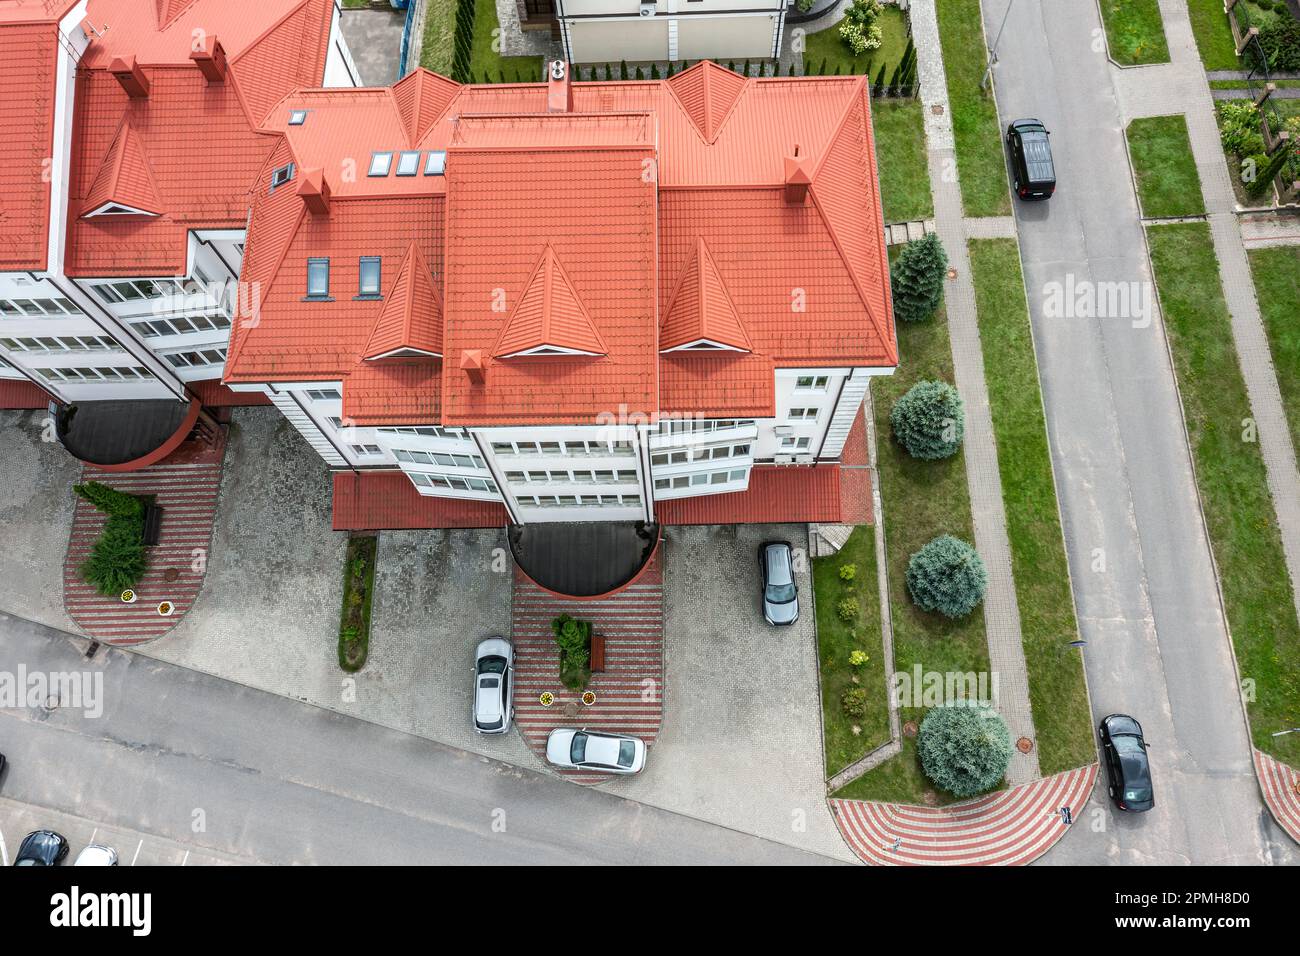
(802,414)
(369,277)
(815,383)
(380,163)
(367,451)
(297,117)
(281,176)
(318,278)
(324,394)
(436,163)
(795,444)
(408,163)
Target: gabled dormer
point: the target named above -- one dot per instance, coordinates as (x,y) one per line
(701,316)
(124,185)
(549,319)
(410,322)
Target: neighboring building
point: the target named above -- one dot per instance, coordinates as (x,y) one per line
(568,301)
(606,31)
(132,142)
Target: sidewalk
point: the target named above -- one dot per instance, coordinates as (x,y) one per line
(1001,611)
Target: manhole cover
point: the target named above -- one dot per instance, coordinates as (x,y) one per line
(937,109)
(171,574)
(952,273)
(571,710)
(930,798)
(909,729)
(1024,745)
(50,704)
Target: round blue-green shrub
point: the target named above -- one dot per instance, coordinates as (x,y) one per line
(929,421)
(947,575)
(964,747)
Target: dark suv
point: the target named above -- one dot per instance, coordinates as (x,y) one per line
(1031,159)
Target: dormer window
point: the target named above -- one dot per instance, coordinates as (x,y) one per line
(297,117)
(380,164)
(281,176)
(368,272)
(408,163)
(318,278)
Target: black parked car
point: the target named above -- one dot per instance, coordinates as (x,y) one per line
(42,848)
(1125,752)
(780,596)
(1031,159)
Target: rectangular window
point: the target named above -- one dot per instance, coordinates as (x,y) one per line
(811,383)
(281,176)
(324,394)
(368,271)
(380,163)
(436,163)
(297,117)
(408,163)
(318,278)
(803,414)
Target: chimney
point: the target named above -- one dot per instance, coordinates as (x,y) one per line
(130,75)
(210,59)
(559,92)
(315,191)
(471,360)
(798,177)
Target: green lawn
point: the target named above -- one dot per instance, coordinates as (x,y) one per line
(921,499)
(1232,481)
(1213,35)
(439,27)
(836,638)
(980,161)
(1134,31)
(1167,181)
(1277,287)
(900,158)
(826,48)
(485,65)
(1062,718)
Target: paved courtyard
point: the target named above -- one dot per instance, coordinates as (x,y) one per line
(375,40)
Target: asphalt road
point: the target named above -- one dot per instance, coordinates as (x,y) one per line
(227,770)
(1143,581)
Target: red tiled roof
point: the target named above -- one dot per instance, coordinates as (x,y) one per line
(215,395)
(777,494)
(28,56)
(411,318)
(19,394)
(700,309)
(124,178)
(641,184)
(549,315)
(394,392)
(388,501)
(200,139)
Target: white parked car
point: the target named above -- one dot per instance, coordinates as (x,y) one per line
(592,750)
(97,855)
(493,679)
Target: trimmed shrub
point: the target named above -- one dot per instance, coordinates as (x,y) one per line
(1239,128)
(964,747)
(929,420)
(118,559)
(854,702)
(917,278)
(574,639)
(847,609)
(859,29)
(1265,175)
(1280,41)
(110,501)
(858,658)
(848,572)
(947,575)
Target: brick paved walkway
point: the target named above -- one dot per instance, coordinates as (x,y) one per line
(1280,785)
(185,485)
(1010,828)
(629,693)
(1001,611)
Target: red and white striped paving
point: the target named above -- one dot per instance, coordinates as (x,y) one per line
(185,484)
(1281,787)
(1010,828)
(629,693)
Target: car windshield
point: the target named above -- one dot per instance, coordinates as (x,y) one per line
(492,665)
(578,749)
(490,724)
(780,593)
(626,753)
(1137,794)
(1126,744)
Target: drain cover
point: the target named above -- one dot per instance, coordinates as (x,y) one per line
(1024,745)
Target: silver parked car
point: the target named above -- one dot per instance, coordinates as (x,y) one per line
(97,855)
(494,665)
(780,596)
(592,750)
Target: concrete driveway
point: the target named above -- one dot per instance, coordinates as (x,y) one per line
(374,38)
(741,743)
(1143,580)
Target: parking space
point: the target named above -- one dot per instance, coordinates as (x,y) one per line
(741,738)
(133,848)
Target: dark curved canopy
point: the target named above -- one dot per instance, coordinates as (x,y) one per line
(109,433)
(583,558)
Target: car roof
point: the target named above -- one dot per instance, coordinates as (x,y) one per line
(777,556)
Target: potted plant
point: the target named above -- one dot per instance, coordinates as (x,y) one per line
(129,596)
(588,698)
(547,698)
(166,608)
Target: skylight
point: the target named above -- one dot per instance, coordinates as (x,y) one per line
(281,176)
(380,163)
(318,278)
(297,117)
(408,163)
(436,164)
(369,276)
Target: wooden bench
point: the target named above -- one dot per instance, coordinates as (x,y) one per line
(152,524)
(597,653)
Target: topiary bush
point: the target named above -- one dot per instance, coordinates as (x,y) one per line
(118,559)
(947,575)
(574,639)
(929,420)
(917,277)
(964,747)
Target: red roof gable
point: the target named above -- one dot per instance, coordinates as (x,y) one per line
(124,178)
(549,316)
(701,310)
(411,319)
(707,93)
